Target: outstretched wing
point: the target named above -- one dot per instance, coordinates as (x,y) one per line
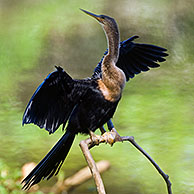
(135,58)
(53,101)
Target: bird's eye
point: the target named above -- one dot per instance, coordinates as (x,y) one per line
(102,17)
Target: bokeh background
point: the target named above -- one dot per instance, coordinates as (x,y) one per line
(157,107)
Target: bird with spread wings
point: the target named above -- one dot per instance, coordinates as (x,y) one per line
(82,106)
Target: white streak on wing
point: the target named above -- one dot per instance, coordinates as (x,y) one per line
(28,109)
(27,119)
(57,122)
(53,125)
(45,124)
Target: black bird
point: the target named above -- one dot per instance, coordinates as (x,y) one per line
(86,104)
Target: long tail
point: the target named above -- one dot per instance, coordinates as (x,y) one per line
(51,163)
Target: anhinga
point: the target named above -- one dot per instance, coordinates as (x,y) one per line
(86,104)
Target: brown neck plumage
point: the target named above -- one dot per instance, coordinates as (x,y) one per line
(113,78)
(113,40)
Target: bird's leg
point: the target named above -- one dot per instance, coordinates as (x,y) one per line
(110,125)
(102,129)
(108,137)
(112,136)
(112,129)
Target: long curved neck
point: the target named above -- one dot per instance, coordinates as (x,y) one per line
(113,78)
(113,40)
(109,63)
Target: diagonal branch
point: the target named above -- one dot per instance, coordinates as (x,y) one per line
(92,165)
(91,142)
(165,176)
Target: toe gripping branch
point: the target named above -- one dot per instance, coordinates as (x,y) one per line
(108,137)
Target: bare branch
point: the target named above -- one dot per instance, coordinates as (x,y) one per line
(88,144)
(92,165)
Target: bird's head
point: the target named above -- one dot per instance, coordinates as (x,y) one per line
(106,21)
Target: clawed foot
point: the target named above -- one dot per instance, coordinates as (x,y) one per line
(95,138)
(108,137)
(111,137)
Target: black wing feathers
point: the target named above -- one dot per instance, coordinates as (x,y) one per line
(52,102)
(135,57)
(51,163)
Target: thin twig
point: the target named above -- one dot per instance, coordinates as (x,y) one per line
(165,176)
(88,144)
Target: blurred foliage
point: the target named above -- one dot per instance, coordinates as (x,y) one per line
(157,106)
(10,180)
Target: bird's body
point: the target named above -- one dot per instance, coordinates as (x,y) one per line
(82,118)
(85,104)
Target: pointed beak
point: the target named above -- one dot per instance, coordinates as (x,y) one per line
(97,17)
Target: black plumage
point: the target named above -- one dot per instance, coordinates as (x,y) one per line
(86,104)
(135,57)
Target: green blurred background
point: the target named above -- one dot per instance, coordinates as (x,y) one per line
(157,107)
